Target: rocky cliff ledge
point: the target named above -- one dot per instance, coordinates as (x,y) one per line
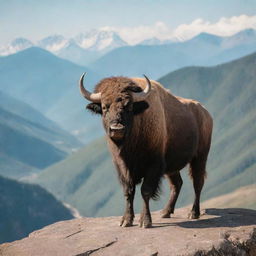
(217,232)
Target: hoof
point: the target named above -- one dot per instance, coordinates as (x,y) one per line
(126,223)
(146,225)
(145,220)
(192,215)
(166,215)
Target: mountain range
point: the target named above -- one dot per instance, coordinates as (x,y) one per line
(86,48)
(82,49)
(157,60)
(88,179)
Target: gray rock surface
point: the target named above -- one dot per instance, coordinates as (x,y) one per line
(217,232)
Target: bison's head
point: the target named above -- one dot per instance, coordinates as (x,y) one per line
(118,100)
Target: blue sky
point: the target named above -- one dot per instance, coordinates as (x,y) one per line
(37,19)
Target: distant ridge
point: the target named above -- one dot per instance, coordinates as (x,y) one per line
(159,59)
(86,48)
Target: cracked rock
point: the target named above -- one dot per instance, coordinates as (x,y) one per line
(218,232)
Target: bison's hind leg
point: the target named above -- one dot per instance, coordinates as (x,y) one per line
(197,172)
(175,182)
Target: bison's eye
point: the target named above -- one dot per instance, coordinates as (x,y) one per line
(105,107)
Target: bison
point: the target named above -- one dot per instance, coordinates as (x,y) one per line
(152,133)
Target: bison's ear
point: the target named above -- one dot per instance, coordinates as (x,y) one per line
(139,107)
(95,108)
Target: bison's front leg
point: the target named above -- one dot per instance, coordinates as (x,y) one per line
(127,219)
(149,189)
(145,217)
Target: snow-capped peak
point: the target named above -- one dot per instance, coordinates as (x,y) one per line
(16,45)
(53,43)
(99,40)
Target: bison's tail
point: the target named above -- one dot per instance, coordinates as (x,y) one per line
(156,189)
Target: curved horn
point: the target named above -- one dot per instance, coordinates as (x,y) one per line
(94,97)
(139,96)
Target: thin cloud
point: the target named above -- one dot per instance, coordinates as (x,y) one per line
(134,35)
(223,27)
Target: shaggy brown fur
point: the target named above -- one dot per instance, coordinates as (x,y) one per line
(163,134)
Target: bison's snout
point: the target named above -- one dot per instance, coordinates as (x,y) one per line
(117,131)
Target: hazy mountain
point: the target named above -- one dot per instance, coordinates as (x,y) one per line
(19,143)
(29,141)
(25,208)
(157,60)
(16,45)
(36,124)
(247,36)
(50,85)
(151,41)
(141,59)
(88,177)
(157,41)
(50,131)
(73,52)
(48,80)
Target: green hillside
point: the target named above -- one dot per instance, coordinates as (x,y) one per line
(25,208)
(228,91)
(243,197)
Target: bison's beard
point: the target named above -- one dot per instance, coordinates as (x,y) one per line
(117,135)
